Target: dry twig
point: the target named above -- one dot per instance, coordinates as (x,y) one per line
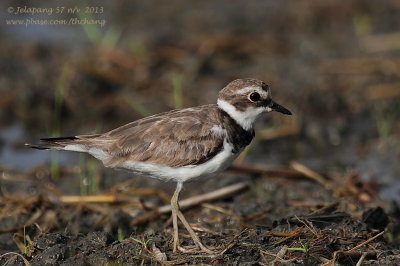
(193,201)
(366,241)
(269,172)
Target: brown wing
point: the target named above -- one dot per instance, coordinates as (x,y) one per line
(176,138)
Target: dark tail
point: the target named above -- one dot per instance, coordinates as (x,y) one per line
(60,143)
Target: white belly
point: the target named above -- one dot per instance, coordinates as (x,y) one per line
(181,174)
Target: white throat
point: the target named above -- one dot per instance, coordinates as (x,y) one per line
(245,119)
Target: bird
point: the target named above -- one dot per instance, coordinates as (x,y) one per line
(183,144)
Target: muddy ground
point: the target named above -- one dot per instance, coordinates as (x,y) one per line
(318,188)
(272,219)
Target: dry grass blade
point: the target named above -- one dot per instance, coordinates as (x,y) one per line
(352,253)
(383,91)
(362,258)
(308,225)
(351,256)
(233,242)
(18,255)
(94,198)
(366,241)
(332,261)
(217,208)
(311,174)
(278,258)
(286,236)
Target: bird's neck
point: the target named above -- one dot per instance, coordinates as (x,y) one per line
(235,133)
(246,119)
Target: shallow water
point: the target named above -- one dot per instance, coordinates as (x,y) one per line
(20,157)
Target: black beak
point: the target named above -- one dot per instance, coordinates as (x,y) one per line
(279,108)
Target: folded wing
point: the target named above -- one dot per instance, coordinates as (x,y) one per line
(177,140)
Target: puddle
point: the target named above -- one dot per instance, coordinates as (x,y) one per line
(13,154)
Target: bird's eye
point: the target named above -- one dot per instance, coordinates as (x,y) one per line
(253,96)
